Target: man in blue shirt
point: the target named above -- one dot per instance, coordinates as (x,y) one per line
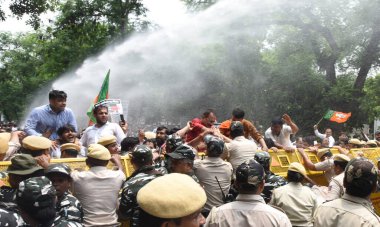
(46,120)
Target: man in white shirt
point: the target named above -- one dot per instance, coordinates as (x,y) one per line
(98,188)
(102,128)
(239,149)
(280,134)
(328,135)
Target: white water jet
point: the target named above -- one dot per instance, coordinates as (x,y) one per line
(161,70)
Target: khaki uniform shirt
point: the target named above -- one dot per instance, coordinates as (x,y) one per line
(97,190)
(298,202)
(328,167)
(336,188)
(240,150)
(206,170)
(346,211)
(247,210)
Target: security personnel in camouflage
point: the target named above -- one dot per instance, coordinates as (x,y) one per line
(141,159)
(182,161)
(272,181)
(36,199)
(22,167)
(173,141)
(10,218)
(68,207)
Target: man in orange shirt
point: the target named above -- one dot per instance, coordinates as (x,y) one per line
(249,128)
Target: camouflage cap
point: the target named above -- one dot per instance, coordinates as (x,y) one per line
(173,141)
(214,144)
(237,126)
(183,152)
(359,169)
(36,192)
(58,168)
(142,153)
(23,164)
(263,158)
(250,172)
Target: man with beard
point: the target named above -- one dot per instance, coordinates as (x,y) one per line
(161,136)
(46,120)
(102,128)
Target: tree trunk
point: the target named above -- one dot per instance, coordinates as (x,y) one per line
(369,57)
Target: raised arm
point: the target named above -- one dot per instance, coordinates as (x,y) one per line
(286,118)
(306,161)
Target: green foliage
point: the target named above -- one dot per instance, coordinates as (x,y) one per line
(370,103)
(82,28)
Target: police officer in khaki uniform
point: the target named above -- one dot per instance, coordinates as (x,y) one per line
(336,188)
(171,200)
(110,142)
(249,209)
(354,208)
(38,147)
(298,201)
(70,150)
(326,163)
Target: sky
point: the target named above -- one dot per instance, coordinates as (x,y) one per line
(161,12)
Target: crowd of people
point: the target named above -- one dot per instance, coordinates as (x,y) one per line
(202,174)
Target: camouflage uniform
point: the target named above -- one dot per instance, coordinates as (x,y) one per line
(192,175)
(68,207)
(38,192)
(21,165)
(129,209)
(8,199)
(272,181)
(172,142)
(9,218)
(184,151)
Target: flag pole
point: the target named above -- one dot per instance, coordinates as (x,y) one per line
(319,121)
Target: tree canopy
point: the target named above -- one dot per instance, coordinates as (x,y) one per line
(311,56)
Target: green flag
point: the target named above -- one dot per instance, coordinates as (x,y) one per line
(103,94)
